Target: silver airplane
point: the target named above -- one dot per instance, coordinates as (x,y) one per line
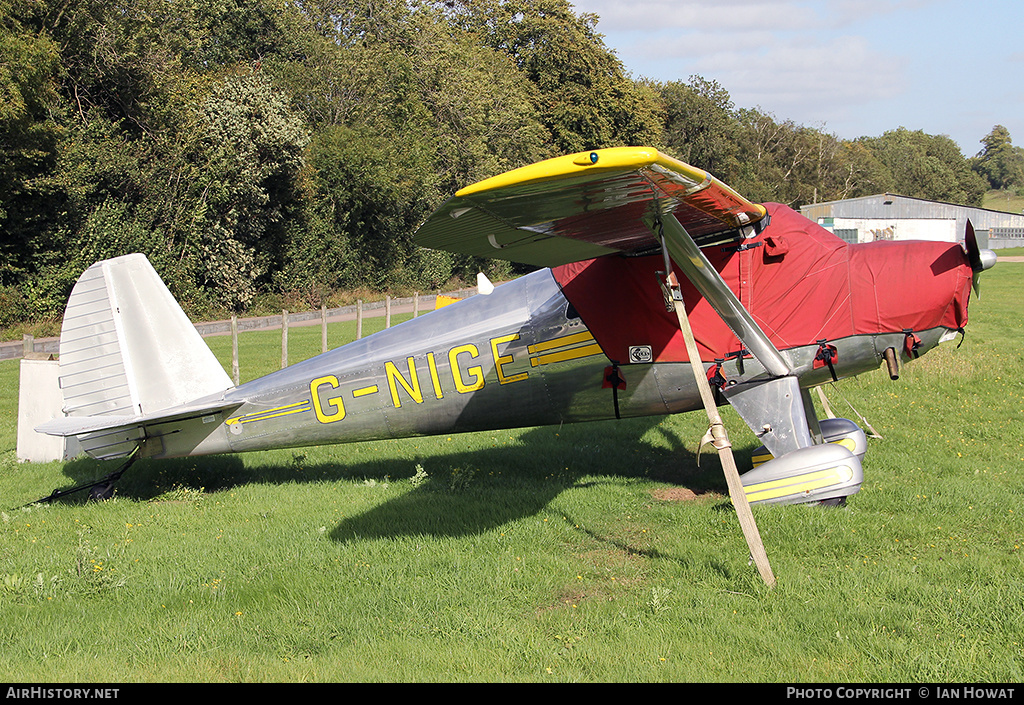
(645,263)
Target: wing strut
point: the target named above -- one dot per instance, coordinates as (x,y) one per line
(702,274)
(688,257)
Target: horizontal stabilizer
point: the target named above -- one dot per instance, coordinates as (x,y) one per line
(77,426)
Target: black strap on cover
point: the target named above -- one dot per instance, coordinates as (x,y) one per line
(613,379)
(827,355)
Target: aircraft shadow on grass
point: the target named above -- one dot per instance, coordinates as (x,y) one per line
(463,493)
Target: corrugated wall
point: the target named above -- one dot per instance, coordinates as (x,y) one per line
(1003,227)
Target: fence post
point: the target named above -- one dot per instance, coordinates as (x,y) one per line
(323,328)
(387,311)
(415,304)
(234,347)
(359,319)
(284,339)
(28,345)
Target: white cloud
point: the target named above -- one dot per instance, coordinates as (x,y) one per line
(795,72)
(809,74)
(743,15)
(857,67)
(702,15)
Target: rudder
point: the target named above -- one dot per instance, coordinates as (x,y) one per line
(127,348)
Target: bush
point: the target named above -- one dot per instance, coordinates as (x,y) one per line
(13,306)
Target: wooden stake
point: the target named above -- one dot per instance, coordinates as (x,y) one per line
(284,339)
(234,348)
(323,328)
(718,437)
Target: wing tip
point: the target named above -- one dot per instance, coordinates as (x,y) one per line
(570,165)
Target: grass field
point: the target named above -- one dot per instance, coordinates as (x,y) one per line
(596,553)
(1003,200)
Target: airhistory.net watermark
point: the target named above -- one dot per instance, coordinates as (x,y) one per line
(52,693)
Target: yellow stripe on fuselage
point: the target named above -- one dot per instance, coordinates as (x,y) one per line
(564,355)
(568,347)
(561,342)
(295,408)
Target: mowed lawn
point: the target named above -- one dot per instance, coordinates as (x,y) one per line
(599,552)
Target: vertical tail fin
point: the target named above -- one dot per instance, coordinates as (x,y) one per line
(126,347)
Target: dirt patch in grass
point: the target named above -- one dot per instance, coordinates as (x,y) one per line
(675,494)
(566,599)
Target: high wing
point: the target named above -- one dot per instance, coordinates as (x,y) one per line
(584,205)
(591,204)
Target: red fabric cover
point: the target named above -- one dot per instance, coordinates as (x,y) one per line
(621,303)
(916,285)
(800,282)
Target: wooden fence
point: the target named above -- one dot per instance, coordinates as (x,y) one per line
(30,347)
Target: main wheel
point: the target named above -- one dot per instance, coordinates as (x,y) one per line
(101,493)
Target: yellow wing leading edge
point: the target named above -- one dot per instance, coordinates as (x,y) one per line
(583,205)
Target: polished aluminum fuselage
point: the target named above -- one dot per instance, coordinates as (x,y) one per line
(517,357)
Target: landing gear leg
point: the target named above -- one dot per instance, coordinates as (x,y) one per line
(99,490)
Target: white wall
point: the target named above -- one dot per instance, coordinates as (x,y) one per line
(871,229)
(39,400)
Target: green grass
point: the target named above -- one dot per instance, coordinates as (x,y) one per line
(540,554)
(1003,200)
(259,352)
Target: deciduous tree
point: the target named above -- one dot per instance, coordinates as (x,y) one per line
(1000,162)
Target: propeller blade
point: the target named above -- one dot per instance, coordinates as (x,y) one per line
(973,251)
(979,259)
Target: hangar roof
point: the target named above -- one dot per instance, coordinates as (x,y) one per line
(889,205)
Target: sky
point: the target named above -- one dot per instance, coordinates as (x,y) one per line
(852,68)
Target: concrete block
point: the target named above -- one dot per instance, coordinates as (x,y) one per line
(40,399)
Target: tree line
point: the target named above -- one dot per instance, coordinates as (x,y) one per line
(293,146)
